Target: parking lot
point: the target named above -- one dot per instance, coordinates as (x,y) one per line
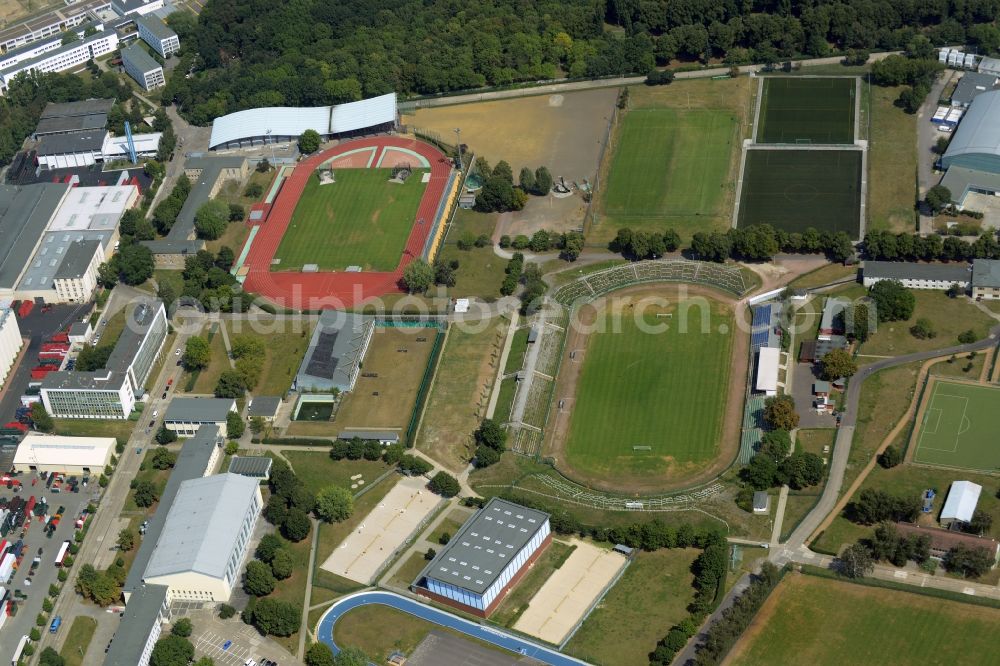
(211,634)
(35,585)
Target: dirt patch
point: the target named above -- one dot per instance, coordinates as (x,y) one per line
(549,213)
(558,428)
(562,132)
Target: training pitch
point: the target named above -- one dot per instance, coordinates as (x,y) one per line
(794,190)
(362,219)
(669,163)
(650,404)
(807,110)
(959,426)
(823,622)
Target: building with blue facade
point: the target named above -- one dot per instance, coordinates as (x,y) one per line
(486,557)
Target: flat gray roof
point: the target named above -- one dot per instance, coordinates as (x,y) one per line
(485,545)
(972,84)
(203,523)
(334,351)
(137,325)
(192,463)
(263,405)
(25,212)
(85,107)
(73,142)
(53,264)
(137,55)
(79,328)
(199,410)
(179,246)
(201,190)
(141,613)
(59,124)
(256,467)
(78,258)
(986,273)
(961,180)
(912,270)
(156,26)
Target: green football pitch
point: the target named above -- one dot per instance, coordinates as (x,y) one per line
(669,163)
(663,392)
(797,189)
(960,427)
(807,110)
(360,220)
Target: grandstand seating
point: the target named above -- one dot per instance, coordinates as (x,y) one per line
(668,270)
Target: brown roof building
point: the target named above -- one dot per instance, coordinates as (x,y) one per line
(944,540)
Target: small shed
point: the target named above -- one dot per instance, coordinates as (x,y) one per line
(264,406)
(963,496)
(80,332)
(821,388)
(255,467)
(461,305)
(761,502)
(623,549)
(532,335)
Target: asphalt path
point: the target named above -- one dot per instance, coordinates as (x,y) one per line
(441,618)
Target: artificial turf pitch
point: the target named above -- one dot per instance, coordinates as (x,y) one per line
(665,391)
(807,110)
(794,190)
(360,220)
(823,622)
(959,427)
(669,163)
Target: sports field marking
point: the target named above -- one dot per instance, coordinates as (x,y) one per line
(959,427)
(808,110)
(936,413)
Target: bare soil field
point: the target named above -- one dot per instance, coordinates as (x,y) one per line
(562,132)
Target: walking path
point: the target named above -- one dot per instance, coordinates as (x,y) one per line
(304,627)
(495,395)
(779,517)
(517,413)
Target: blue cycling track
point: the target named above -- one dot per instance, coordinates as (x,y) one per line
(441,618)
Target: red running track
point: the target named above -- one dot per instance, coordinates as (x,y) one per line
(330,290)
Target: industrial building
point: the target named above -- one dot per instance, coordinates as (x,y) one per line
(142,622)
(253,127)
(986,279)
(160,37)
(63,117)
(337,347)
(963,496)
(111,392)
(915,275)
(10,343)
(197,458)
(205,538)
(486,557)
(970,86)
(186,415)
(66,455)
(140,66)
(972,160)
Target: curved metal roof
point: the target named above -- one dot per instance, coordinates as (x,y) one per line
(292,121)
(979,131)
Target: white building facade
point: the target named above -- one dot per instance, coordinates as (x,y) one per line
(10,343)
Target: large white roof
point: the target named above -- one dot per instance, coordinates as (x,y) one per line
(962,499)
(53,450)
(202,525)
(286,121)
(767,368)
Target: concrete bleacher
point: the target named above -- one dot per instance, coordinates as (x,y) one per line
(721,276)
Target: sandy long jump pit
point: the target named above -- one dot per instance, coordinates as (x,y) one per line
(361,555)
(565,597)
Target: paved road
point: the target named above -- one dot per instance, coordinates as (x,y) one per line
(441,618)
(559,86)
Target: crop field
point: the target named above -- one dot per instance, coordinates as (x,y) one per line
(824,622)
(958,426)
(807,110)
(797,189)
(648,403)
(362,219)
(670,166)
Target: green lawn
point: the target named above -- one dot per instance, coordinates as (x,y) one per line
(362,219)
(800,502)
(120,429)
(505,401)
(818,621)
(639,610)
(670,168)
(518,348)
(78,639)
(480,272)
(407,573)
(208,377)
(293,588)
(796,110)
(824,275)
(666,391)
(284,351)
(892,164)
(948,316)
(316,470)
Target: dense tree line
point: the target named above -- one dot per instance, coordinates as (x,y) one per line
(874,506)
(316,53)
(886,246)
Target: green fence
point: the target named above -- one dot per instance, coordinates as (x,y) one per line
(425,383)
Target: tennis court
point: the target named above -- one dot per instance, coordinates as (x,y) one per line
(959,426)
(794,190)
(386,527)
(807,110)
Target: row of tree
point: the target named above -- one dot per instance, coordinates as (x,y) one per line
(499,194)
(886,246)
(570,244)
